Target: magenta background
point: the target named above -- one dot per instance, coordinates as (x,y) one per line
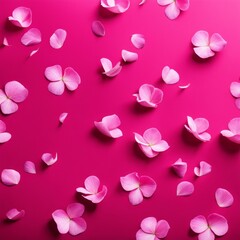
(83,151)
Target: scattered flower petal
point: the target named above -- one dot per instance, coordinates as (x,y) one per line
(4,136)
(233,134)
(116,6)
(203,169)
(62,117)
(58,38)
(33,52)
(108,69)
(21,17)
(185,188)
(128,56)
(149,96)
(10,177)
(29,167)
(31,37)
(180,168)
(224,198)
(151,142)
(14,214)
(184,86)
(49,159)
(98,28)
(109,126)
(235,89)
(170,76)
(138,40)
(142,2)
(5,42)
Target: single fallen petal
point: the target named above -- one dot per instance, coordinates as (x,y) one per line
(5,42)
(130,182)
(185,188)
(31,37)
(217,43)
(98,28)
(180,168)
(106,64)
(14,214)
(184,86)
(71,79)
(128,56)
(172,11)
(92,184)
(9,107)
(149,224)
(62,220)
(21,17)
(142,2)
(33,52)
(77,226)
(170,76)
(58,38)
(235,89)
(223,197)
(116,6)
(62,117)
(49,159)
(234,125)
(199,224)
(10,177)
(203,169)
(29,167)
(138,40)
(218,224)
(162,229)
(16,91)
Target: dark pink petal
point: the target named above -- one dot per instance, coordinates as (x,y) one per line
(92,184)
(217,42)
(9,107)
(203,169)
(29,167)
(135,197)
(53,73)
(31,37)
(71,79)
(62,220)
(185,188)
(75,210)
(97,197)
(204,52)
(170,76)
(49,159)
(172,11)
(62,117)
(98,28)
(180,168)
(138,40)
(200,39)
(21,17)
(149,224)
(147,186)
(235,89)
(58,38)
(141,235)
(218,224)
(14,214)
(165,2)
(16,91)
(77,226)
(116,6)
(199,224)
(162,229)
(57,88)
(10,177)
(130,181)
(234,125)
(128,56)
(183,4)
(223,197)
(206,235)
(202,124)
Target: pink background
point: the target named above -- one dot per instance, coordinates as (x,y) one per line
(83,151)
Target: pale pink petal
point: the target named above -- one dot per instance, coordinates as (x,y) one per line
(204,137)
(235,89)
(160,147)
(204,52)
(49,159)
(3,96)
(142,2)
(200,39)
(21,17)
(180,168)
(31,37)
(149,224)
(203,169)
(217,42)
(234,125)
(5,137)
(147,186)
(106,64)
(157,96)
(170,76)
(116,6)
(199,224)
(114,71)
(139,139)
(16,91)
(14,214)
(172,11)
(130,181)
(83,190)
(162,229)
(98,28)
(141,235)
(184,86)
(71,79)
(77,226)
(92,184)
(223,197)
(135,197)
(57,88)
(164,2)
(10,177)
(97,197)
(191,124)
(58,38)
(128,56)
(75,210)
(231,136)
(237,103)
(145,92)
(202,124)
(206,235)
(29,167)
(183,4)
(33,52)
(54,73)
(3,127)
(218,224)
(9,107)
(62,117)
(62,220)
(5,42)
(152,136)
(185,188)
(138,40)
(147,150)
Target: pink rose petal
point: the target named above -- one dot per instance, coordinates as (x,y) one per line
(53,73)
(10,177)
(71,79)
(138,40)
(33,52)
(128,56)
(9,107)
(58,38)
(14,214)
(5,42)
(21,17)
(223,197)
(135,196)
(180,168)
(31,37)
(98,28)
(149,224)
(204,52)
(218,224)
(116,6)
(62,117)
(4,136)
(203,169)
(199,224)
(237,103)
(77,226)
(233,134)
(172,11)
(184,86)
(142,2)
(200,39)
(185,188)
(130,181)
(29,167)
(75,210)
(235,89)
(217,43)
(49,159)
(62,220)
(183,4)
(16,91)
(162,229)
(108,69)
(170,76)
(148,186)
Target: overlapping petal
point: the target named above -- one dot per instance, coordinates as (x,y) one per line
(109,70)
(180,168)
(170,76)
(21,17)
(116,6)
(4,136)
(203,169)
(128,56)
(233,134)
(31,37)
(138,40)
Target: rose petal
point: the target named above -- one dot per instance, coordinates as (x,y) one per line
(135,197)
(184,86)
(185,188)
(57,88)
(114,71)
(29,167)
(75,210)
(77,226)
(21,17)
(162,229)
(148,151)
(160,147)
(202,124)
(62,220)
(9,107)
(217,43)
(164,2)
(5,137)
(14,214)
(106,64)
(33,52)
(180,168)
(98,197)
(62,117)
(5,42)
(128,56)
(204,169)
(204,52)
(71,79)
(138,40)
(53,73)
(172,11)
(191,124)
(148,186)
(235,89)
(10,177)
(200,39)
(92,184)
(3,127)
(139,139)
(218,224)
(130,181)
(16,91)
(223,197)
(58,38)
(116,6)
(49,159)
(199,224)
(31,37)
(170,76)
(149,224)
(98,28)
(234,125)
(183,4)
(141,235)
(206,235)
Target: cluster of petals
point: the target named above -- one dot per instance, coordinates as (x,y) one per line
(151,229)
(206,46)
(174,7)
(233,134)
(92,191)
(203,169)
(109,70)
(138,186)
(214,225)
(14,93)
(109,126)
(116,6)
(151,142)
(235,91)
(70,220)
(59,80)
(21,17)
(10,177)
(198,128)
(4,136)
